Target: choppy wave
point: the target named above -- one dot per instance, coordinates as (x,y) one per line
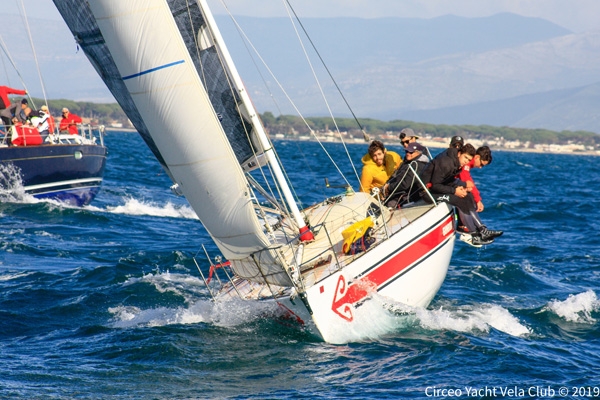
(467,319)
(577,308)
(136,207)
(11,276)
(183,285)
(11,186)
(198,308)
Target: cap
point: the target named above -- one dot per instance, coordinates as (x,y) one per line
(412,147)
(407,132)
(44,108)
(65,109)
(24,101)
(456,140)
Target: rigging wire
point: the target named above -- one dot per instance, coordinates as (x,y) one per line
(8,56)
(241,116)
(289,7)
(247,42)
(271,73)
(5,69)
(365,135)
(264,150)
(37,64)
(275,103)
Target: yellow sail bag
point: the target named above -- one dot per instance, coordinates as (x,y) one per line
(355,232)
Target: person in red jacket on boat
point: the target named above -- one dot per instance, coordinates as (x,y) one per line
(69,122)
(5,102)
(483,157)
(5,91)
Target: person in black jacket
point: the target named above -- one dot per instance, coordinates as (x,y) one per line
(440,178)
(403,187)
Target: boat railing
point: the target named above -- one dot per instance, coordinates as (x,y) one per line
(216,271)
(88,134)
(5,136)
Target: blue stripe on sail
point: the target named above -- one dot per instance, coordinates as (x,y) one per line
(153,69)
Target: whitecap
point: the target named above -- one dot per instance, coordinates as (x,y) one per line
(522,164)
(16,275)
(501,319)
(131,317)
(184,285)
(576,308)
(135,207)
(198,308)
(228,314)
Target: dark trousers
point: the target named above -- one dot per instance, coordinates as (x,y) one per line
(465,206)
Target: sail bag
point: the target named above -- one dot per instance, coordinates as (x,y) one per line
(357,237)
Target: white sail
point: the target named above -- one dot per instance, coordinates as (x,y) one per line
(159,60)
(161,78)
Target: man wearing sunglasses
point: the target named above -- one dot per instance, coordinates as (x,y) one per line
(69,122)
(407,136)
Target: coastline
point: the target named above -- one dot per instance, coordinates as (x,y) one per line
(438,143)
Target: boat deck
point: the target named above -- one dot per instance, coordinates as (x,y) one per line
(323,256)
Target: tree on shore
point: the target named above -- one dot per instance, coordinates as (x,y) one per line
(293,126)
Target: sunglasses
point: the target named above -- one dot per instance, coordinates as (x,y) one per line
(405,141)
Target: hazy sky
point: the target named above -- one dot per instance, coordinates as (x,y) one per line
(576,15)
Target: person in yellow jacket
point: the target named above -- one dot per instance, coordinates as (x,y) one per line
(378,166)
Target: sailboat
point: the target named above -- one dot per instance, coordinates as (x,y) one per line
(66,167)
(164,61)
(69,171)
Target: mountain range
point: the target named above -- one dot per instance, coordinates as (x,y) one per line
(504,70)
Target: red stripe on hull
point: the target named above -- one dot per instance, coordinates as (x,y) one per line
(359,289)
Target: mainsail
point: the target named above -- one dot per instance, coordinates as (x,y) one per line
(160,61)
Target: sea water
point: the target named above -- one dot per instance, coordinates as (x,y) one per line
(105,301)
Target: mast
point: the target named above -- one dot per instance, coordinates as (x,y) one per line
(305,233)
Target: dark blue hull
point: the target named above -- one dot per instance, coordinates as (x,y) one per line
(71,173)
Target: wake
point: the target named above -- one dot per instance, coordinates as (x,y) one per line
(198,308)
(135,207)
(475,319)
